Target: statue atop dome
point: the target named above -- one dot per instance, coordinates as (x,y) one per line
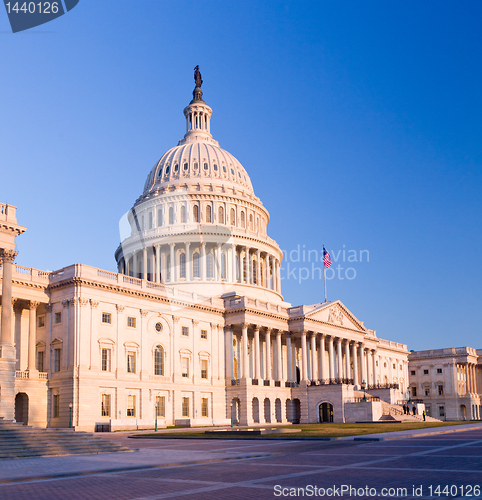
(197,93)
(197,77)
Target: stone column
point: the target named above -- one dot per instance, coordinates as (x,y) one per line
(339,361)
(331,358)
(144,263)
(202,261)
(363,364)
(289,356)
(321,366)
(7,350)
(257,359)
(244,339)
(347,360)
(314,375)
(356,382)
(158,263)
(374,362)
(304,358)
(32,335)
(267,339)
(279,364)
(233,262)
(228,333)
(7,257)
(172,263)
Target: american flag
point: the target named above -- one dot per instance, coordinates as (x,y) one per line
(326,258)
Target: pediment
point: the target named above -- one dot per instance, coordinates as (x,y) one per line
(335,313)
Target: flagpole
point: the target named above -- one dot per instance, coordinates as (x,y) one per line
(324,270)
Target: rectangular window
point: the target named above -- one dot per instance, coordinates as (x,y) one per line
(56,406)
(131,322)
(204,368)
(439,370)
(106,360)
(106,318)
(412,372)
(425,372)
(414,391)
(204,407)
(441,411)
(131,406)
(185,367)
(440,390)
(131,362)
(185,331)
(41,321)
(105,410)
(204,334)
(57,353)
(428,410)
(185,407)
(58,318)
(40,361)
(161,406)
(427,391)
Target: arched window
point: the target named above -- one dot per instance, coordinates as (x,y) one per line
(244,269)
(171,215)
(168,267)
(195,213)
(221,215)
(209,265)
(243,220)
(195,265)
(233,217)
(159,218)
(182,266)
(223,265)
(261,272)
(209,214)
(142,223)
(183,214)
(150,220)
(158,360)
(255,280)
(251,222)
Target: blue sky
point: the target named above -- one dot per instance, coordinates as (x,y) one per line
(358,122)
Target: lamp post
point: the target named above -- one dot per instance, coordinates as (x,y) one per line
(70,415)
(364,386)
(156,408)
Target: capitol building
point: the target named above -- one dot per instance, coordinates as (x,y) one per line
(193,328)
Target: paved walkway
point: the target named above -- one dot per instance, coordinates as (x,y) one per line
(165,452)
(415,467)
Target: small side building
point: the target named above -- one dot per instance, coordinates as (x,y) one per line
(448,381)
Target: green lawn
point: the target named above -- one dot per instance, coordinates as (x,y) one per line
(319,430)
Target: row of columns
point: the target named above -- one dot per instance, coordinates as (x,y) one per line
(240,264)
(473,377)
(344,357)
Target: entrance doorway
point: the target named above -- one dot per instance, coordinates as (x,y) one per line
(21,408)
(326,412)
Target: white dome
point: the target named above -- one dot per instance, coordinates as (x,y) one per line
(197,161)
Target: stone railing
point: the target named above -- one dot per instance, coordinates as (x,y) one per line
(362,399)
(25,374)
(236,302)
(333,381)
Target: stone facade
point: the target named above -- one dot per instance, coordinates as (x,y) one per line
(448,381)
(193,328)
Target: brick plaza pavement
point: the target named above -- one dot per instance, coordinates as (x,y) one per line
(251,469)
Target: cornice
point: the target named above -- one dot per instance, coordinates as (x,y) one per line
(77,281)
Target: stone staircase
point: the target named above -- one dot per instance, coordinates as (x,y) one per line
(21,441)
(395,412)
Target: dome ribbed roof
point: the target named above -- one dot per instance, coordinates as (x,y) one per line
(197,161)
